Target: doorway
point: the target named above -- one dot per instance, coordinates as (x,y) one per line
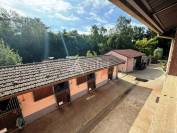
(137,63)
(9,113)
(62,93)
(110,73)
(91,81)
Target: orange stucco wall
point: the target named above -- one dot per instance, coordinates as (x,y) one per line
(74,88)
(115,72)
(101,75)
(29,106)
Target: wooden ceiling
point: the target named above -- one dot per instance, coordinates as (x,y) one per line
(159,15)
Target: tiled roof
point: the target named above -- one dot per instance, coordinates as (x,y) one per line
(14,79)
(130,53)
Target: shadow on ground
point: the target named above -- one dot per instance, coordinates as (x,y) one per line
(149,73)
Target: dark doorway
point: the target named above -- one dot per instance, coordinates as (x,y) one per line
(9,112)
(91,81)
(110,73)
(62,93)
(138,62)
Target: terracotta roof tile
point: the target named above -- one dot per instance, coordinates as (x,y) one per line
(130,53)
(14,79)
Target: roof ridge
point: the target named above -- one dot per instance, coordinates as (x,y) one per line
(50,61)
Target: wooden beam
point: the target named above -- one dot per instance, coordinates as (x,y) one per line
(166,8)
(143,13)
(124,5)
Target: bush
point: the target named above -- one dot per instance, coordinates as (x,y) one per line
(8,56)
(91,53)
(158,53)
(146,46)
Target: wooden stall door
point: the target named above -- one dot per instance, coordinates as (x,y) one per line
(62,93)
(110,73)
(9,112)
(91,82)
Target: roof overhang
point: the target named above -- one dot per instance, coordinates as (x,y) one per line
(159,15)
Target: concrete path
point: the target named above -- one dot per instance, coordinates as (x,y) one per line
(145,117)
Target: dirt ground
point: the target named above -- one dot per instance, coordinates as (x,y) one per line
(113,108)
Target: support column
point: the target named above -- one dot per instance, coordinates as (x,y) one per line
(172,59)
(170,55)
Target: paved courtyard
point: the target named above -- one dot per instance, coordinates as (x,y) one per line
(74,117)
(122,117)
(113,108)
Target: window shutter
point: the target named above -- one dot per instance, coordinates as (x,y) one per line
(81,80)
(43,92)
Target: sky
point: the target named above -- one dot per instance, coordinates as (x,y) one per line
(69,14)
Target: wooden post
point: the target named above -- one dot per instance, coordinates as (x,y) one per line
(172,59)
(170,55)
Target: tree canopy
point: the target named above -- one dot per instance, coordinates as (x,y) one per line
(35,42)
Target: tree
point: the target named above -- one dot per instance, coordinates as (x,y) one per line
(146,46)
(102,31)
(26,35)
(138,33)
(123,25)
(34,42)
(158,53)
(91,53)
(94,30)
(150,34)
(122,37)
(8,56)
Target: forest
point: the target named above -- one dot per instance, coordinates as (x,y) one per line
(27,40)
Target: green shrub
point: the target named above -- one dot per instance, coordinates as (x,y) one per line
(8,56)
(158,53)
(91,53)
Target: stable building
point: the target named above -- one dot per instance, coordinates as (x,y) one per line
(133,59)
(30,91)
